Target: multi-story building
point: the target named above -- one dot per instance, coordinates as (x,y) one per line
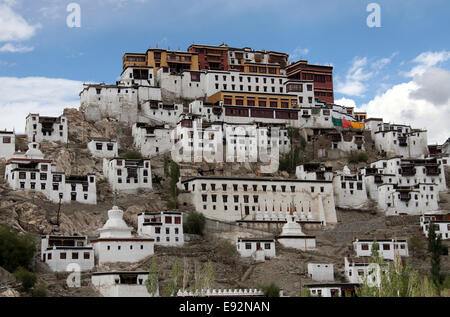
(388,248)
(361,270)
(7,144)
(257,61)
(31,171)
(321,75)
(52,129)
(349,189)
(233,198)
(152,140)
(129,100)
(211,57)
(165,227)
(441,224)
(117,244)
(332,289)
(61,252)
(128,175)
(172,61)
(103,147)
(397,139)
(314,171)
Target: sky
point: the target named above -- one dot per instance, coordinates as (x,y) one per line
(399,71)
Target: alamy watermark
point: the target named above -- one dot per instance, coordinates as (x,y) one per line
(242,144)
(374,18)
(73,20)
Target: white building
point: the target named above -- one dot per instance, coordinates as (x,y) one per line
(441,224)
(121,284)
(387,247)
(103,148)
(360,270)
(332,289)
(165,227)
(7,144)
(233,198)
(349,189)
(52,129)
(128,175)
(292,236)
(407,200)
(321,272)
(152,140)
(314,172)
(31,171)
(61,252)
(255,247)
(117,244)
(397,139)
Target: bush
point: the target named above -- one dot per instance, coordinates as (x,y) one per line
(132,155)
(39,291)
(27,278)
(227,252)
(195,223)
(357,157)
(417,246)
(271,290)
(15,250)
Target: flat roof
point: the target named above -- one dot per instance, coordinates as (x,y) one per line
(255,179)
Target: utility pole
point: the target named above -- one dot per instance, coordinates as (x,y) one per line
(59,211)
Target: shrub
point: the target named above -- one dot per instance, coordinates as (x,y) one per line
(271,290)
(15,250)
(417,246)
(227,251)
(195,223)
(357,157)
(39,291)
(132,155)
(27,278)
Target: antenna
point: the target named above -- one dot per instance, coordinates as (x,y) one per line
(115,198)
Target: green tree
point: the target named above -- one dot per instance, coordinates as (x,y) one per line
(417,246)
(166,166)
(271,290)
(39,291)
(15,250)
(175,279)
(435,247)
(174,178)
(27,278)
(195,223)
(152,281)
(132,155)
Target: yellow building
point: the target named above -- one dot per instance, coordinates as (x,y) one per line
(159,58)
(262,100)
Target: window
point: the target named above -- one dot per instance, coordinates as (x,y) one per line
(267,246)
(365,246)
(74,255)
(248,246)
(62,255)
(86,256)
(386,246)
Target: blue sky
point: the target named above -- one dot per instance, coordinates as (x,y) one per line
(394,71)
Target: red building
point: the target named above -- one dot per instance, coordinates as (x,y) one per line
(211,57)
(321,75)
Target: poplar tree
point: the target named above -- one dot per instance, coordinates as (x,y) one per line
(152,281)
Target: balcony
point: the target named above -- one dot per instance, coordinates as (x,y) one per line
(408,171)
(432,171)
(179,59)
(402,141)
(405,196)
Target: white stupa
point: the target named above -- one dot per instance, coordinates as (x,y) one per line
(115,226)
(292,236)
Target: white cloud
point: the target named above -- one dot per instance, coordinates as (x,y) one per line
(421,103)
(345,102)
(47,96)
(14,27)
(427,60)
(11,48)
(298,53)
(354,84)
